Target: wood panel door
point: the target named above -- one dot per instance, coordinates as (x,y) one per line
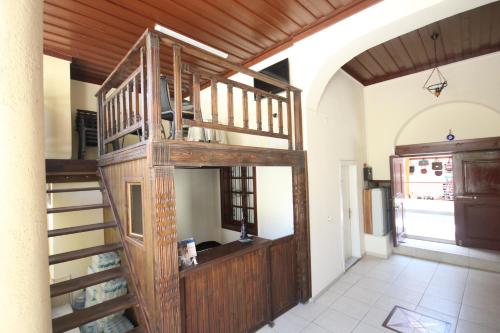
(397,165)
(283,275)
(477,199)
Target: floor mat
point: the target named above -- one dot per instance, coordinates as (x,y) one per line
(406,321)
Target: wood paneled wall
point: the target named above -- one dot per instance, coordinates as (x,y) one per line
(230,296)
(283,275)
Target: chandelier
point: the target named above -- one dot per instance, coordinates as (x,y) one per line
(436,81)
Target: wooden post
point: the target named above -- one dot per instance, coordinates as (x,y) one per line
(177,91)
(270,114)
(153,86)
(215,114)
(101,130)
(297,108)
(245,108)
(166,270)
(143,106)
(289,119)
(230,109)
(196,97)
(301,230)
(258,111)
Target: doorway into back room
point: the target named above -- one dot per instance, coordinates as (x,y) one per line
(428,205)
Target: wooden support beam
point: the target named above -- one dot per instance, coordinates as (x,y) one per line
(289,130)
(166,270)
(297,108)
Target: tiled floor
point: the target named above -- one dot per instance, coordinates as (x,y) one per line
(362,298)
(451,254)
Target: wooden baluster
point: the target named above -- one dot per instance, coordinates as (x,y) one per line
(270,114)
(215,115)
(245,108)
(289,119)
(118,112)
(259,112)
(104,116)
(196,97)
(101,122)
(297,108)
(178,92)
(108,120)
(126,106)
(130,102)
(113,119)
(230,108)
(280,116)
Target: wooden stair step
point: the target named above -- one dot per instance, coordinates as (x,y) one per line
(75,208)
(81,228)
(64,287)
(87,252)
(71,177)
(75,189)
(80,317)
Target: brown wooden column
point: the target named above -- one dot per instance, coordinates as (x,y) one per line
(301,230)
(166,270)
(153,86)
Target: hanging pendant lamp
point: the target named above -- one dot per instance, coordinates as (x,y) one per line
(436,81)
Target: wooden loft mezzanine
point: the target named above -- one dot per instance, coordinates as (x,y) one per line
(125,109)
(278,271)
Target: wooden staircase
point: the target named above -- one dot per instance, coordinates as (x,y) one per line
(86,171)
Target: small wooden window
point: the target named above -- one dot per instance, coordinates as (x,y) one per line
(134,207)
(239,198)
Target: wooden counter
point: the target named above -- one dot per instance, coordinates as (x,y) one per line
(213,256)
(231,288)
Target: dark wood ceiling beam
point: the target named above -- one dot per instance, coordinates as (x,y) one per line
(294,10)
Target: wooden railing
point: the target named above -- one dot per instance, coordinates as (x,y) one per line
(134,104)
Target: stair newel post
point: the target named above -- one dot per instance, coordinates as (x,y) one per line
(153,86)
(177,91)
(297,117)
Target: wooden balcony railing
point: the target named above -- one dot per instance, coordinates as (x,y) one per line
(129,99)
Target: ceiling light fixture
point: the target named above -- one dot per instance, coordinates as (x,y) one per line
(441,83)
(191,41)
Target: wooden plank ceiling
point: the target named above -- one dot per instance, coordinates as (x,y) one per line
(96,34)
(466,35)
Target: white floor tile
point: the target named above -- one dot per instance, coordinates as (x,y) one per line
(451,292)
(328,298)
(480,316)
(308,311)
(288,323)
(405,294)
(365,328)
(373,284)
(376,317)
(314,328)
(367,296)
(335,321)
(441,305)
(388,303)
(469,327)
(340,287)
(350,307)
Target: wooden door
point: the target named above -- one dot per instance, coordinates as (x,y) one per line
(477,199)
(397,165)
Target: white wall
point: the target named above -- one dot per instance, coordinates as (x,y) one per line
(57,107)
(197,198)
(399,111)
(338,135)
(274,204)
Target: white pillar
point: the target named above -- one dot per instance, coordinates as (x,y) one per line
(24,292)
